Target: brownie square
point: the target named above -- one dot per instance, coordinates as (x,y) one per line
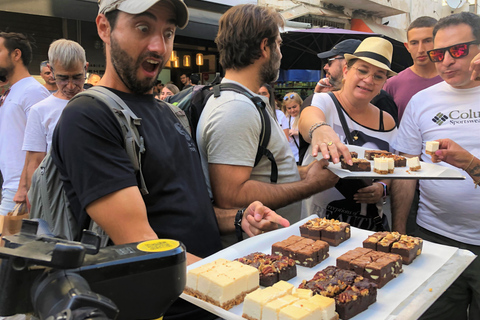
(358,165)
(370,154)
(407,250)
(344,260)
(380,271)
(358,264)
(385,244)
(322,248)
(307,257)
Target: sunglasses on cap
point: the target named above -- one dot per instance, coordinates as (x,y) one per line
(330,60)
(289,97)
(456,51)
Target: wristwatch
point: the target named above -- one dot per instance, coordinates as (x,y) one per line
(385,190)
(238,224)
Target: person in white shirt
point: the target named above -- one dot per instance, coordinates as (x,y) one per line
(448,210)
(68,65)
(15,104)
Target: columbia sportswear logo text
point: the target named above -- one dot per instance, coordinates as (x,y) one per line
(455,117)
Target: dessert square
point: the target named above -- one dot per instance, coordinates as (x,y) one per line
(370,154)
(357,166)
(406,246)
(414,164)
(431,147)
(223,283)
(331,231)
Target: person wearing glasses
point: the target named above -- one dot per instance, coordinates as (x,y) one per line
(15,104)
(333,80)
(68,65)
(422,74)
(292,103)
(448,211)
(347,116)
(47,76)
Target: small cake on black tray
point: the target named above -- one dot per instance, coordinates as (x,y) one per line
(306,252)
(406,246)
(272,268)
(358,165)
(332,231)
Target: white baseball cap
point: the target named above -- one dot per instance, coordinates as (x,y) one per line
(139,6)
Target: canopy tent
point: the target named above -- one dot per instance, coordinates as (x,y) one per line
(300,47)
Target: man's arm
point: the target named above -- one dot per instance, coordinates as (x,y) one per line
(32,161)
(123,216)
(232,187)
(21,194)
(402,192)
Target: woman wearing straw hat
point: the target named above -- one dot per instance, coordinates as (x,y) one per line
(365,125)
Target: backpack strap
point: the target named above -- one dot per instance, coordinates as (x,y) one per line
(265,121)
(128,122)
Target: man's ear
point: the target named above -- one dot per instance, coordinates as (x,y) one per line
(103,28)
(263,47)
(406,46)
(16,55)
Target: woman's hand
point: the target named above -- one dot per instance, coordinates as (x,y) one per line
(292,132)
(370,194)
(326,141)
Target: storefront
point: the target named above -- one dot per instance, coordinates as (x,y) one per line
(44,21)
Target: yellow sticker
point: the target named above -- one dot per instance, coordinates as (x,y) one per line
(158,245)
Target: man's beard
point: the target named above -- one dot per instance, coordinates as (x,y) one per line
(270,70)
(126,68)
(6,72)
(335,82)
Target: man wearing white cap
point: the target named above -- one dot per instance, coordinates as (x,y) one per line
(99,179)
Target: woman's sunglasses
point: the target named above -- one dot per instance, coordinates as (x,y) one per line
(289,97)
(456,51)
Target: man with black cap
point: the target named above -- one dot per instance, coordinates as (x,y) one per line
(98,176)
(334,66)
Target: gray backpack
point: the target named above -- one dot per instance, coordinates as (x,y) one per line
(47,196)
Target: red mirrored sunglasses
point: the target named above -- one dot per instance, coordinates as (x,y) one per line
(456,51)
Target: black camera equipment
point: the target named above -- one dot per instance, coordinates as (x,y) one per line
(58,279)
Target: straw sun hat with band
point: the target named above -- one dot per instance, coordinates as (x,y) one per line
(376,51)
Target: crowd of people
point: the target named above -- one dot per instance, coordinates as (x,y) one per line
(205,193)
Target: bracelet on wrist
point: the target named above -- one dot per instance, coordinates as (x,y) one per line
(385,189)
(470,163)
(315,127)
(238,224)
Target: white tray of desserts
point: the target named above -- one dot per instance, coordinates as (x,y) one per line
(427,171)
(389,298)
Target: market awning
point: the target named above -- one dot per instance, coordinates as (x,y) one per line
(365,25)
(300,47)
(305,10)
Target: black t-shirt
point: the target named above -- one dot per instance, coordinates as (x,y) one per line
(88,149)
